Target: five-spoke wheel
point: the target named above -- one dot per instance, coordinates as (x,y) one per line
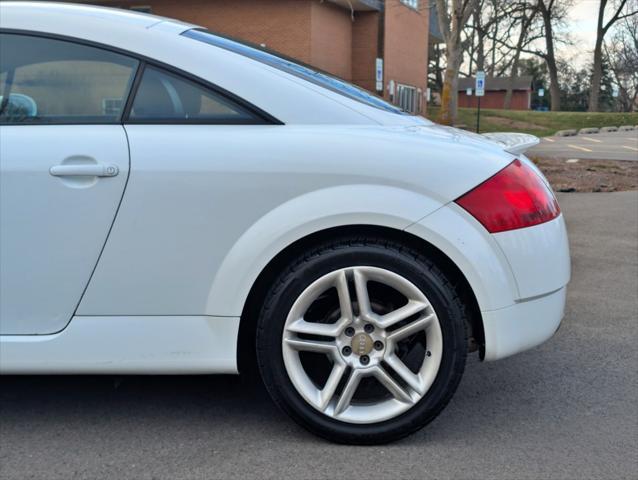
(363,341)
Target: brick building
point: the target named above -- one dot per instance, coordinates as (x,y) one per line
(495,89)
(342,37)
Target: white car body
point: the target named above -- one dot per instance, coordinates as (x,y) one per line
(150,271)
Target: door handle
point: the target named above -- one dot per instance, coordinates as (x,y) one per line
(84,170)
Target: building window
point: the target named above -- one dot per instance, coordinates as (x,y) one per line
(411,3)
(407,98)
(111,106)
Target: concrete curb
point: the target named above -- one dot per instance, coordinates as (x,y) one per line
(566,133)
(626,128)
(609,129)
(588,130)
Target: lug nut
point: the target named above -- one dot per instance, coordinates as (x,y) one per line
(428,353)
(350,331)
(364,360)
(346,350)
(369,328)
(378,345)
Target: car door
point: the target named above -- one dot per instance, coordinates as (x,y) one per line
(64,165)
(195,167)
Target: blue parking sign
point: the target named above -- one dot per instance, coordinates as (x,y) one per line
(480,84)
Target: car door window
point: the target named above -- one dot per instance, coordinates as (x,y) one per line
(164,97)
(43,80)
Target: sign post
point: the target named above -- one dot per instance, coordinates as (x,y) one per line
(479,91)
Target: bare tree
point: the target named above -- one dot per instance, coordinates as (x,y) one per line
(490,20)
(527,13)
(621,54)
(548,10)
(452,16)
(601,30)
(552,14)
(540,19)
(494,24)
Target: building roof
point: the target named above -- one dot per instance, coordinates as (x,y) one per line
(497,83)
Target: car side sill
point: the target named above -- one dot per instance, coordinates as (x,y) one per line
(127,345)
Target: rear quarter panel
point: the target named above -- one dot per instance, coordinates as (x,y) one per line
(207,206)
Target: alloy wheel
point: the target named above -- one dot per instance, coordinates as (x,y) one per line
(362,344)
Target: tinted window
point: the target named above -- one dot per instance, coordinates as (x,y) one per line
(165,97)
(53,81)
(290,66)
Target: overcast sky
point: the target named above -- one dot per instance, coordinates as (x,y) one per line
(582,28)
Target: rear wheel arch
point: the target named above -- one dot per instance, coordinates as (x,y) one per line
(246,359)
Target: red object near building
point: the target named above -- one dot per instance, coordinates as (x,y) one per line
(495,90)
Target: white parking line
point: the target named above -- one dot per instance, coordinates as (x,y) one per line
(630,148)
(548,139)
(582,149)
(591,139)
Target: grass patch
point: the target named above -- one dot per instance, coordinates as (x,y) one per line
(541,124)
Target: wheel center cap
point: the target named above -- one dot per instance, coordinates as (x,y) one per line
(362,344)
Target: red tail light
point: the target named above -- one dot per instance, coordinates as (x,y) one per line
(516,197)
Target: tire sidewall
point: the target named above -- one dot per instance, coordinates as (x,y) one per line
(291,285)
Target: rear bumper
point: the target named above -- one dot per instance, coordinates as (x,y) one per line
(538,257)
(523,325)
(519,277)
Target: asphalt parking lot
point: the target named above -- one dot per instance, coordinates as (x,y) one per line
(595,146)
(566,410)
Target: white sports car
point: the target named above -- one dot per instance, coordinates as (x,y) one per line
(173,201)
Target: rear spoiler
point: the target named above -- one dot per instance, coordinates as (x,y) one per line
(514,143)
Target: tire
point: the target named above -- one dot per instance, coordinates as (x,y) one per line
(292,362)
